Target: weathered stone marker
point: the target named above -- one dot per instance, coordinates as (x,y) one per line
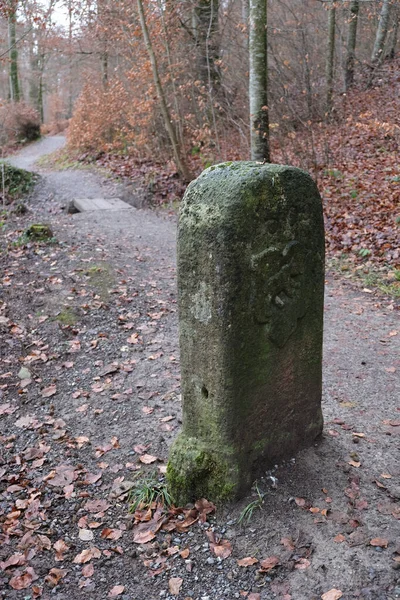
(251,287)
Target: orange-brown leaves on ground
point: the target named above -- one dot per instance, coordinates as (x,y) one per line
(87,555)
(248,561)
(221,548)
(61,548)
(267,564)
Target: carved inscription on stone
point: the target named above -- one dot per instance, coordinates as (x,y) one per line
(279,279)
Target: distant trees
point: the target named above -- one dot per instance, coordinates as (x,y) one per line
(185,90)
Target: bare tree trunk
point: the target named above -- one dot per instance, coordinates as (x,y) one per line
(101,13)
(15,95)
(330,58)
(70,92)
(179,159)
(207,42)
(393,43)
(351,44)
(258,81)
(381,33)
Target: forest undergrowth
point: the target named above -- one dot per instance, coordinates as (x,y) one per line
(354,159)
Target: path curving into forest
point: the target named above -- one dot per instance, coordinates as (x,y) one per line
(93,319)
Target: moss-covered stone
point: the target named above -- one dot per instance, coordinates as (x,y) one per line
(251,281)
(17,182)
(38,232)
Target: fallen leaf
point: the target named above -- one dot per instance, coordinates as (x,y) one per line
(54,576)
(288,543)
(88,570)
(174,585)
(333,594)
(147,459)
(49,391)
(269,563)
(300,502)
(24,580)
(254,596)
(339,538)
(87,555)
(117,590)
(111,534)
(16,560)
(247,562)
(62,475)
(379,542)
(354,463)
(96,506)
(303,563)
(61,548)
(205,508)
(86,535)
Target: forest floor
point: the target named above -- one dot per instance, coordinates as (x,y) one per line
(90,401)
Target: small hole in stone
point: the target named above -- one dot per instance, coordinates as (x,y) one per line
(204,392)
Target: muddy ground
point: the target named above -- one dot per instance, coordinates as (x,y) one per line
(90,400)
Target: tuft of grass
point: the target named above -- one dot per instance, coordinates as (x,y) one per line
(147,491)
(67,316)
(60,160)
(247,513)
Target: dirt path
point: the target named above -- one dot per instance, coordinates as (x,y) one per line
(92,320)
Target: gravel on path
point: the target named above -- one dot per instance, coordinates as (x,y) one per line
(93,318)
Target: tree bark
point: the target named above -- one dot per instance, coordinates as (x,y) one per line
(179,159)
(258,81)
(393,43)
(206,33)
(351,44)
(330,58)
(15,95)
(381,33)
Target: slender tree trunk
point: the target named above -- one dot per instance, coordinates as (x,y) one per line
(393,43)
(330,58)
(179,159)
(351,44)
(258,81)
(33,77)
(15,95)
(245,11)
(70,85)
(381,33)
(206,32)
(101,13)
(170,67)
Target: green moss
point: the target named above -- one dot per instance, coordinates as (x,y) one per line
(36,233)
(195,472)
(67,316)
(17,182)
(101,278)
